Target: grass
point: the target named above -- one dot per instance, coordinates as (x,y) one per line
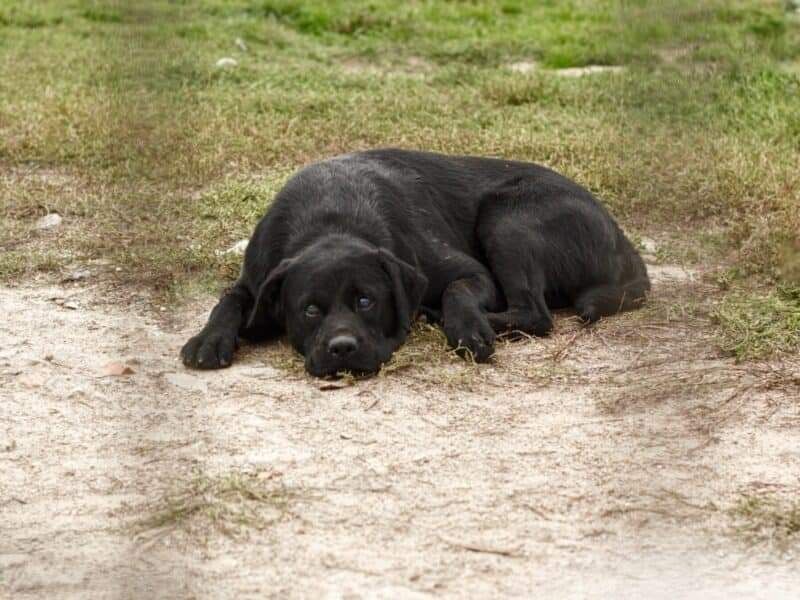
(14,263)
(758,325)
(232,503)
(767,520)
(114,115)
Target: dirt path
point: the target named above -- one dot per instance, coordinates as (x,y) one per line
(593,464)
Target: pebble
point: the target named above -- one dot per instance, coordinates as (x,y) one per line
(49,221)
(525,66)
(238,248)
(116,369)
(77,275)
(588,70)
(186,382)
(226,63)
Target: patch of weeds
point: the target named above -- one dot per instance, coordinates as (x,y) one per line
(320,18)
(281,355)
(726,278)
(520,91)
(15,263)
(232,504)
(102,14)
(238,202)
(753,325)
(768,520)
(12,264)
(427,355)
(426,345)
(672,304)
(28,17)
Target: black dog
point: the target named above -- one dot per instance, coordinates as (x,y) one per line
(354,246)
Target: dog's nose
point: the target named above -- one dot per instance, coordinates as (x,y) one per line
(342,346)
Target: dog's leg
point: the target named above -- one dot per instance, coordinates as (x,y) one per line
(214,346)
(464,304)
(522,279)
(625,292)
(604,300)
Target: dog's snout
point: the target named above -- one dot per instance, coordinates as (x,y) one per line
(342,346)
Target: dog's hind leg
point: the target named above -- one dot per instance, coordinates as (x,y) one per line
(627,293)
(214,346)
(603,300)
(513,261)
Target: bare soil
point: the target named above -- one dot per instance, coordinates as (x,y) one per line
(596,463)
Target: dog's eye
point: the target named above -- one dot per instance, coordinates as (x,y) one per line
(312,311)
(364,303)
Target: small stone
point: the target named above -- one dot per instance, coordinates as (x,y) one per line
(588,70)
(227,63)
(115,369)
(71,304)
(525,66)
(186,382)
(49,221)
(238,248)
(77,275)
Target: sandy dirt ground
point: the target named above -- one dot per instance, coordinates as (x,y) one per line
(596,463)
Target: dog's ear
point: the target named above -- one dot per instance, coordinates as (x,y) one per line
(267,305)
(408,287)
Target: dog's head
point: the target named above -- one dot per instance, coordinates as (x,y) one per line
(346,305)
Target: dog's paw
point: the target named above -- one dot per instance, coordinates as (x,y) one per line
(209,350)
(515,323)
(471,337)
(588,313)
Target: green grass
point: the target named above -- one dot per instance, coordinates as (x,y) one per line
(767,520)
(157,159)
(756,325)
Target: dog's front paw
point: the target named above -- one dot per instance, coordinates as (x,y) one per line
(209,350)
(471,337)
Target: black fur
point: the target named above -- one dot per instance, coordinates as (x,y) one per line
(483,245)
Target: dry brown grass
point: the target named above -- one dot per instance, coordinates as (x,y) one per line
(229,503)
(768,520)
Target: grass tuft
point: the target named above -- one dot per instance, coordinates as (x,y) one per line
(755,326)
(767,520)
(232,504)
